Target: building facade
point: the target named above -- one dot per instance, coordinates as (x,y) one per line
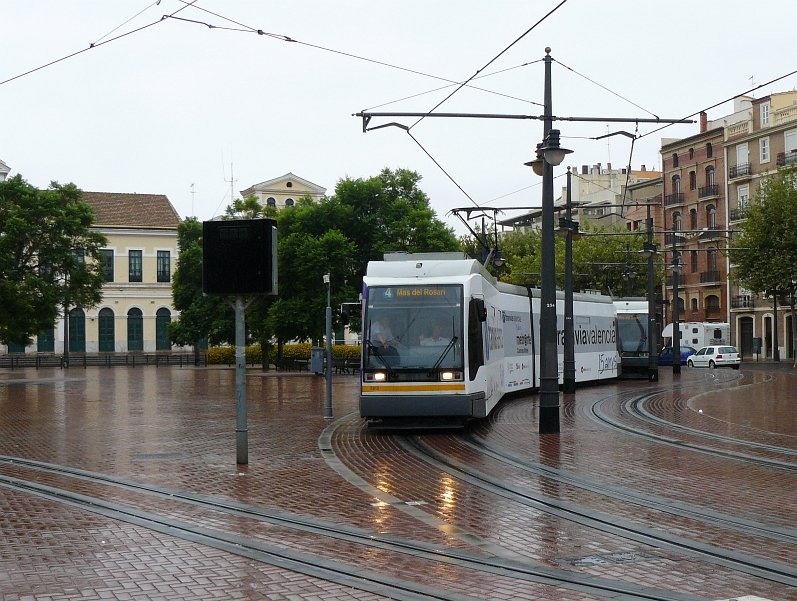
(284,191)
(139,262)
(756,146)
(695,233)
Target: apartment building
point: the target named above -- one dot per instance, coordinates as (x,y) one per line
(695,233)
(757,145)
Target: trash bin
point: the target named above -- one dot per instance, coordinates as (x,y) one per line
(317,359)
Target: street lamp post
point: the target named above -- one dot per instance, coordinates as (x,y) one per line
(549,154)
(569,229)
(649,251)
(676,305)
(328,405)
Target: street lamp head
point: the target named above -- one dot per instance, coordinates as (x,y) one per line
(648,250)
(553,153)
(537,163)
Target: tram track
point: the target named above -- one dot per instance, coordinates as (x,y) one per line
(600,414)
(310,564)
(768,570)
(647,501)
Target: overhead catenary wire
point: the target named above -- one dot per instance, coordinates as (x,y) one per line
(492,60)
(94,45)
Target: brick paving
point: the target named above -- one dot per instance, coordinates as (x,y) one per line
(175,428)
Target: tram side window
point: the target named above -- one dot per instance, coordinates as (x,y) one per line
(475,341)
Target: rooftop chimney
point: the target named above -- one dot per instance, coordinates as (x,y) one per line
(703,121)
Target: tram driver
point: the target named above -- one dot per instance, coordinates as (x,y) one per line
(382,336)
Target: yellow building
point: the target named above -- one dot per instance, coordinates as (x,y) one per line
(284,191)
(139,261)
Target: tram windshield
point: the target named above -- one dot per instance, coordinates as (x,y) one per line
(413,328)
(633,331)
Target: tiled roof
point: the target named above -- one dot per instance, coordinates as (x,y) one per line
(112,209)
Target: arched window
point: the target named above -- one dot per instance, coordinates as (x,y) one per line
(106,332)
(694,304)
(77,331)
(709,150)
(694,261)
(271,202)
(711,257)
(289,202)
(710,175)
(135,330)
(693,219)
(691,154)
(675,159)
(712,302)
(676,221)
(692,180)
(162,319)
(711,217)
(676,184)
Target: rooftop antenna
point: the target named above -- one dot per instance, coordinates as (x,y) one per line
(193,192)
(231,181)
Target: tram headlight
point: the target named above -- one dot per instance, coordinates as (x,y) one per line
(377,376)
(450,376)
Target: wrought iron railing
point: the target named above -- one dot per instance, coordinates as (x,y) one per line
(740,170)
(707,191)
(709,277)
(674,199)
(787,158)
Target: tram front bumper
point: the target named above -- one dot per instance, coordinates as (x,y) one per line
(423,405)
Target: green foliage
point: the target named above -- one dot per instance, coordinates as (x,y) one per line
(765,259)
(225,355)
(201,316)
(48,257)
(338,236)
(600,260)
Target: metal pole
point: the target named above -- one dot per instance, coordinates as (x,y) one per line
(775,348)
(569,382)
(653,359)
(676,330)
(66,334)
(241,429)
(328,405)
(549,354)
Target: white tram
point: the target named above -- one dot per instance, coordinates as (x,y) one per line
(443,339)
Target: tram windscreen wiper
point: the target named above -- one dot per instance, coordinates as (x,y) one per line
(442,356)
(379,356)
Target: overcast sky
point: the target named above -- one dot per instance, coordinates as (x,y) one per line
(179,103)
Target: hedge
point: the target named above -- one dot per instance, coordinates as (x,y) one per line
(225,355)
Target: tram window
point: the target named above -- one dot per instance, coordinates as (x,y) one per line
(476,311)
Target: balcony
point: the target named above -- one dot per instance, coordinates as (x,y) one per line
(713,311)
(738,214)
(741,170)
(709,277)
(712,232)
(742,302)
(674,199)
(708,191)
(738,129)
(786,114)
(787,158)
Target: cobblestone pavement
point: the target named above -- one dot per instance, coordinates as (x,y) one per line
(122,483)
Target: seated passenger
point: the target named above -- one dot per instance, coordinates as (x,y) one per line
(435,339)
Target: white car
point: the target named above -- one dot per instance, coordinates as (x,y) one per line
(715,356)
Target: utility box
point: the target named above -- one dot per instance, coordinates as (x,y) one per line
(317,359)
(239,256)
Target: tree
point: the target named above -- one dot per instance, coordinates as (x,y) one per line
(599,260)
(765,259)
(49,257)
(339,235)
(201,316)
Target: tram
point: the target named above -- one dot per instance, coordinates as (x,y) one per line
(632,329)
(443,339)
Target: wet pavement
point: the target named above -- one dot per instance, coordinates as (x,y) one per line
(121,483)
